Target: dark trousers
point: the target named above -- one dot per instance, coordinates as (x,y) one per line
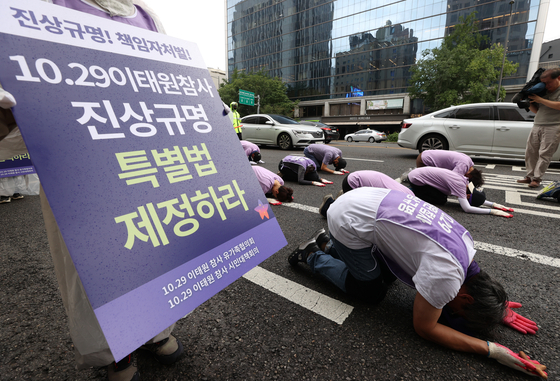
(429,194)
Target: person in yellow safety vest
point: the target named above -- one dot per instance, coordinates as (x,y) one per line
(236,119)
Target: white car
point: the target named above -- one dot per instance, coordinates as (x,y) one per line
(368,135)
(486,129)
(279,130)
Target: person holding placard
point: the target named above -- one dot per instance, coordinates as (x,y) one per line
(90,345)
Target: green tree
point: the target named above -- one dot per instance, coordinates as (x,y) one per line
(272,91)
(460,71)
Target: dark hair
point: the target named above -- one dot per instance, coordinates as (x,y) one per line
(477,197)
(489,306)
(341,163)
(256,156)
(476,177)
(345,186)
(552,73)
(285,194)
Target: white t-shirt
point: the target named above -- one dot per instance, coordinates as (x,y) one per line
(436,273)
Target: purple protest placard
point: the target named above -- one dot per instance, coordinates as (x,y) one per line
(16,166)
(145,175)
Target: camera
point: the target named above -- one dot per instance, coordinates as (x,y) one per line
(534,86)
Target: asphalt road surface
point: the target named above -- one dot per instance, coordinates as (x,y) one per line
(281,323)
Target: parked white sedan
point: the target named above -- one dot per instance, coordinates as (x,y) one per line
(279,130)
(368,135)
(487,129)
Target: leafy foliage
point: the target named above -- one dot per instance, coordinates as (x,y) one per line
(460,71)
(272,91)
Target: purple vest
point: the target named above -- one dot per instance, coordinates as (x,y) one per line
(141,20)
(299,160)
(406,210)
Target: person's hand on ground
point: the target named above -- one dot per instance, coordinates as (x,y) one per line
(501,207)
(500,213)
(518,322)
(507,357)
(325,181)
(318,184)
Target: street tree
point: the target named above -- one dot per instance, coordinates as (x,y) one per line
(272,91)
(462,70)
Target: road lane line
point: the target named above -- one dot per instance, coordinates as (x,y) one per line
(524,255)
(295,205)
(490,166)
(314,301)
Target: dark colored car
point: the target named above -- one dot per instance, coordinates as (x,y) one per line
(331,133)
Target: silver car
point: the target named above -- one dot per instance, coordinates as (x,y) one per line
(268,129)
(368,135)
(487,129)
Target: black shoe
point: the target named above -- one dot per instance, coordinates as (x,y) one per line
(166,351)
(321,237)
(325,205)
(17,196)
(302,252)
(124,370)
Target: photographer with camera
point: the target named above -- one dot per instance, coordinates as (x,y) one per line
(544,138)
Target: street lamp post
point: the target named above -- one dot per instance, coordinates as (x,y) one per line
(505,50)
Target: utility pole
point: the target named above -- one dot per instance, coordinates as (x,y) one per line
(505,50)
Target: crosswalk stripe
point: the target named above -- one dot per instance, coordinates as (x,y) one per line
(314,301)
(514,253)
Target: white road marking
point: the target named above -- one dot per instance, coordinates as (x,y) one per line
(515,198)
(490,166)
(523,169)
(295,205)
(376,161)
(314,301)
(524,255)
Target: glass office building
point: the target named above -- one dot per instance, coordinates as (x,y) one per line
(329,50)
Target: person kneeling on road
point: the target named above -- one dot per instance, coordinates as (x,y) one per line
(252,151)
(375,233)
(302,170)
(323,155)
(273,186)
(434,184)
(454,161)
(360,179)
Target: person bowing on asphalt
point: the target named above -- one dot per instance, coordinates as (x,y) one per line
(434,184)
(360,179)
(300,169)
(272,186)
(324,155)
(252,151)
(380,235)
(454,161)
